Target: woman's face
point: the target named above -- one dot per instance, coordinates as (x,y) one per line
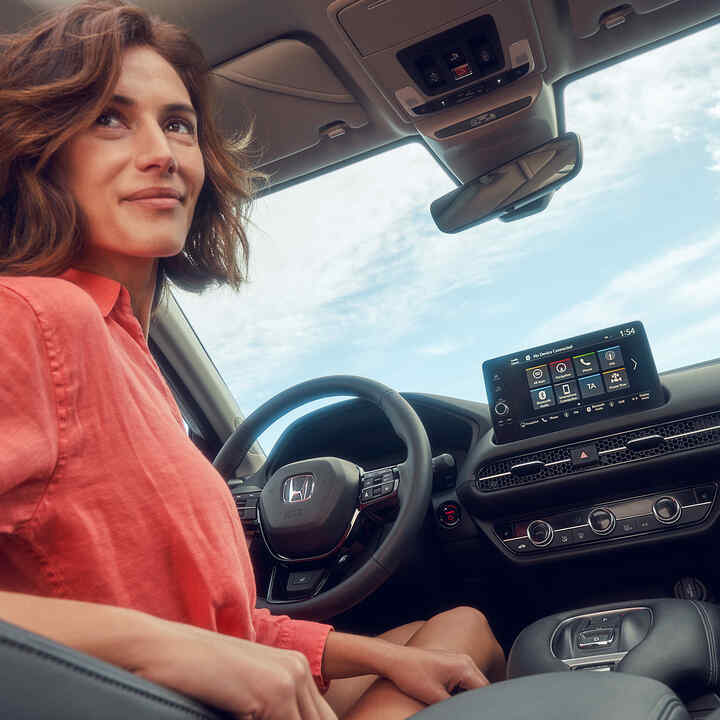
(136,173)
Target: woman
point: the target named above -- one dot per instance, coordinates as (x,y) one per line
(117,537)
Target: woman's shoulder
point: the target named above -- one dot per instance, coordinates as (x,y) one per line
(50,299)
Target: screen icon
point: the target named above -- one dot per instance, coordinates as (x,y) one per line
(610,358)
(538,376)
(591,386)
(567,392)
(586,364)
(616,380)
(542,398)
(561,370)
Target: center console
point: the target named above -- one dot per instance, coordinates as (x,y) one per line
(589,450)
(673,641)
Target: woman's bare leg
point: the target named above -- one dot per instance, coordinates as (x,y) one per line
(344,693)
(462,629)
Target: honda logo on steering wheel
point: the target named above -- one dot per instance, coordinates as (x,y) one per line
(298,488)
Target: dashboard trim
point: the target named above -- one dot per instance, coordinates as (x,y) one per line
(662,450)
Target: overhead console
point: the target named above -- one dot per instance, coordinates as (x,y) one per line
(465,57)
(451,68)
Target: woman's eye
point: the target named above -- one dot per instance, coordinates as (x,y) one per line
(181,126)
(108,119)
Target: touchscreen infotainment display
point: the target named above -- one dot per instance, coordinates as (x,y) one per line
(572,382)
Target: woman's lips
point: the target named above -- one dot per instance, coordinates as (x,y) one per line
(156,203)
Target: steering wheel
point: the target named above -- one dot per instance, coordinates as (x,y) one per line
(307,510)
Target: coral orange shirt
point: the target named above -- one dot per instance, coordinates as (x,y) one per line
(103,497)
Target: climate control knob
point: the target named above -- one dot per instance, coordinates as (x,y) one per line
(667,510)
(602,521)
(540,533)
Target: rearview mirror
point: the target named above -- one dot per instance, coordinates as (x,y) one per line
(509,187)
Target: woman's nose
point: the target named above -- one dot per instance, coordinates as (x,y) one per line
(154,150)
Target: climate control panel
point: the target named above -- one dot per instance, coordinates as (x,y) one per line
(609,521)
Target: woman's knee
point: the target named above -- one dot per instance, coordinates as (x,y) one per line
(471,625)
(468,618)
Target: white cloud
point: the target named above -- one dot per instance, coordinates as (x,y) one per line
(681,283)
(439,349)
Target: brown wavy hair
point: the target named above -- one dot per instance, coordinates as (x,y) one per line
(56,77)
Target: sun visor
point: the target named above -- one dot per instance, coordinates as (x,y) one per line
(290,94)
(586,14)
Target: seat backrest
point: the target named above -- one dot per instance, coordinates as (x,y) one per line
(44,680)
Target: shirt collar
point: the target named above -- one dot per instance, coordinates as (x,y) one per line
(103,290)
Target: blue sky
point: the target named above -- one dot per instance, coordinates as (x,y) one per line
(349,274)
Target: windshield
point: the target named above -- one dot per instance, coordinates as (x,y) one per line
(349,275)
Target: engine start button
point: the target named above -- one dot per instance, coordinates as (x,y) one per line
(448,514)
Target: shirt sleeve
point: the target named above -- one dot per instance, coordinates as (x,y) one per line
(307,637)
(28,417)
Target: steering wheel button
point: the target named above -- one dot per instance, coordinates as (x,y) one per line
(302,582)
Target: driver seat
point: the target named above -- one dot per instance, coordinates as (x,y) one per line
(45,680)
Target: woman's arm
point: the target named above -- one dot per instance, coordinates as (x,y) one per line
(427,675)
(240,676)
(113,634)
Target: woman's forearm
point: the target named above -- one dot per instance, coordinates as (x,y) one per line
(117,635)
(349,655)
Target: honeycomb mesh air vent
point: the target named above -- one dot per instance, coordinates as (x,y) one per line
(679,435)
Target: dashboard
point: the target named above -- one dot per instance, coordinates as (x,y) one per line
(639,477)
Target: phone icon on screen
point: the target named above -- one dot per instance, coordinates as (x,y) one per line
(584,362)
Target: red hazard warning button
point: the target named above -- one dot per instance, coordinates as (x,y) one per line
(584,455)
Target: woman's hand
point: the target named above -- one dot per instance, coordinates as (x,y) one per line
(252,681)
(431,675)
